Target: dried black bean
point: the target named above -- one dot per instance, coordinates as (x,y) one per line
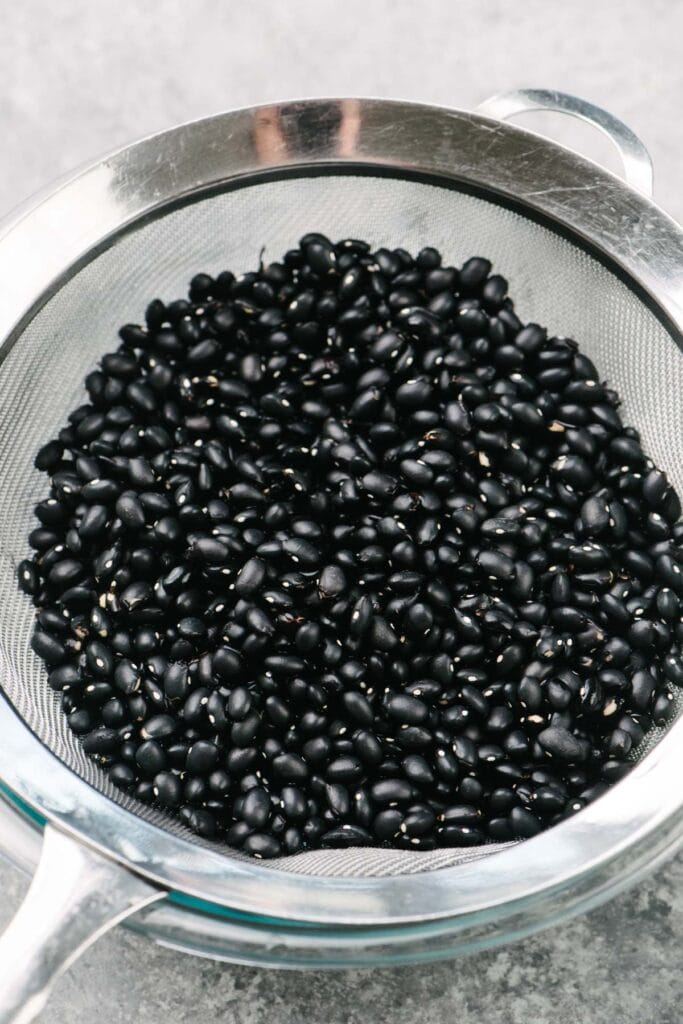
(413,587)
(560,743)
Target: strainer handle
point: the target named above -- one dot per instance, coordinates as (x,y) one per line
(637,162)
(76,895)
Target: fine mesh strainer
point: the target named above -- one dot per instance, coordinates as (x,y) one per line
(585,254)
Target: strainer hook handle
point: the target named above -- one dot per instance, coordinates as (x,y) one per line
(638,171)
(76,895)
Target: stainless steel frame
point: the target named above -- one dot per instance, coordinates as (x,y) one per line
(580,861)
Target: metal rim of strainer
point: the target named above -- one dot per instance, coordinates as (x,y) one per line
(607,843)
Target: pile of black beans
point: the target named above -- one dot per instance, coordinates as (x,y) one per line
(339,552)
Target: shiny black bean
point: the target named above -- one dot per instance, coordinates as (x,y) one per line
(250,576)
(392,570)
(643,685)
(664,708)
(391,791)
(523,823)
(150,758)
(103,741)
(407,710)
(332,581)
(561,744)
(531,339)
(290,768)
(159,727)
(496,565)
(168,789)
(460,835)
(387,824)
(358,707)
(347,835)
(419,821)
(417,770)
(256,808)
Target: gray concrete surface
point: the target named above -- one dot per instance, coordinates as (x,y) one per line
(78,78)
(620,964)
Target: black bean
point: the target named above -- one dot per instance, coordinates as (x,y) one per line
(294,803)
(368,747)
(419,821)
(406,709)
(202,757)
(383,635)
(100,492)
(175,680)
(643,686)
(262,846)
(49,456)
(239,703)
(301,552)
(191,628)
(226,663)
(524,824)
(122,775)
(367,405)
(338,799)
(102,741)
(663,709)
(417,770)
(256,808)
(361,617)
(135,594)
(379,485)
(212,551)
(259,622)
(290,768)
(65,677)
(613,770)
(460,835)
(344,769)
(413,737)
(419,618)
(307,637)
(100,659)
(391,791)
(151,758)
(614,611)
(496,565)
(317,749)
(560,743)
(670,572)
(28,578)
(389,546)
(531,339)
(250,576)
(414,394)
(474,272)
(130,511)
(65,573)
(457,418)
(462,814)
(159,727)
(387,824)
(417,472)
(347,835)
(168,789)
(331,582)
(358,707)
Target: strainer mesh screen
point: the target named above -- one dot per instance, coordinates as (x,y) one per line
(552,280)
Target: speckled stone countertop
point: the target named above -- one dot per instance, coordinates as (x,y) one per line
(77,79)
